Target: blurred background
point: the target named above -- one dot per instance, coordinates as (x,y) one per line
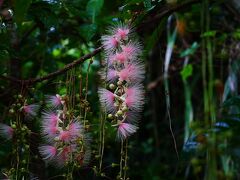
(189,128)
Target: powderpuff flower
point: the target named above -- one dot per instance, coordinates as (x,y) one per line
(112,75)
(84,157)
(109,42)
(107,99)
(125,130)
(132,73)
(54,101)
(50,132)
(6,131)
(132,50)
(119,57)
(47,152)
(50,118)
(122,32)
(132,117)
(63,156)
(65,136)
(30,110)
(75,129)
(134,97)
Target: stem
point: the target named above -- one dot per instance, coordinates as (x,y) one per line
(102,139)
(121,159)
(209,106)
(86,95)
(126,158)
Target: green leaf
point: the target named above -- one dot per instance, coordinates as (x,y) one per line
(88,31)
(45,13)
(209,34)
(20,9)
(233,101)
(236,34)
(190,50)
(94,7)
(4,55)
(186,71)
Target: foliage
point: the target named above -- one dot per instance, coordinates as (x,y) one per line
(192,104)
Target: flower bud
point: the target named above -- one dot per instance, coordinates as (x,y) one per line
(110,116)
(125,109)
(119,113)
(119,83)
(11,111)
(112,86)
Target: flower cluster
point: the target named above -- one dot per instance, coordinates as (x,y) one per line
(6,131)
(29,111)
(64,134)
(124,73)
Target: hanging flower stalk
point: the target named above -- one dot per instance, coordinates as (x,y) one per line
(124,73)
(67,143)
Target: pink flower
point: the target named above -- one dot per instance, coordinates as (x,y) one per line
(132,117)
(122,32)
(47,151)
(132,73)
(30,110)
(109,42)
(54,101)
(65,136)
(120,57)
(125,130)
(50,118)
(75,129)
(134,97)
(50,131)
(84,157)
(6,131)
(107,99)
(132,50)
(112,75)
(63,156)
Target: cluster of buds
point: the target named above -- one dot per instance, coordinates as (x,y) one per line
(67,143)
(28,111)
(124,73)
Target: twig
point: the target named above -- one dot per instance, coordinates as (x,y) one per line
(167,12)
(53,74)
(96,51)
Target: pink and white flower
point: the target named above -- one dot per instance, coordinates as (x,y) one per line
(134,97)
(107,99)
(50,118)
(122,32)
(132,50)
(125,130)
(65,136)
(63,156)
(109,42)
(125,72)
(119,57)
(132,73)
(6,131)
(47,152)
(75,129)
(55,101)
(30,110)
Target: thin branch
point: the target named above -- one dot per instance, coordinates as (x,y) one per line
(96,51)
(168,12)
(56,73)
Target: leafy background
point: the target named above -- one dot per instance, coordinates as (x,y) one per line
(45,35)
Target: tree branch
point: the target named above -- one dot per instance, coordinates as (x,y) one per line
(56,73)
(167,12)
(96,51)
